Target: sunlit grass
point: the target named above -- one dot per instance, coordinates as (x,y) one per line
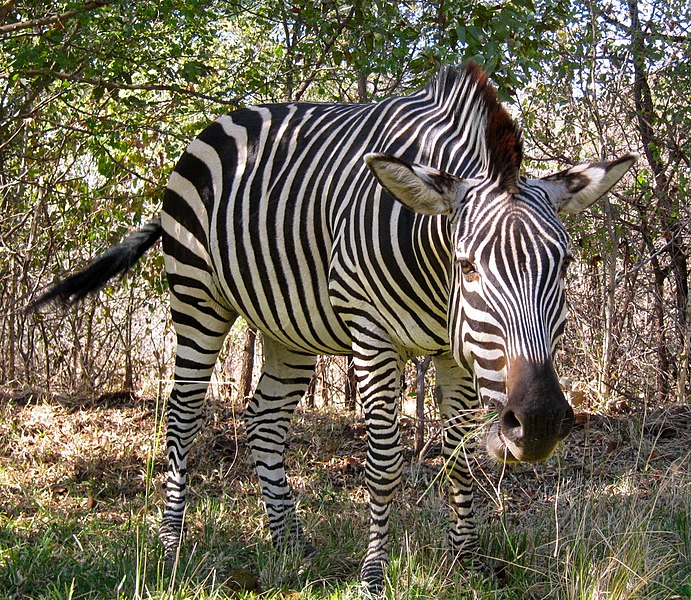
(589,524)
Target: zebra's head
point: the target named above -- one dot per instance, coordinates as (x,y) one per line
(509,251)
(508,255)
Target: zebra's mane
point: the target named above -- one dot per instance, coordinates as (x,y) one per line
(503,148)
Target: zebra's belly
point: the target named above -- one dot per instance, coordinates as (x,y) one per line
(314,324)
(285,298)
(414,327)
(297,308)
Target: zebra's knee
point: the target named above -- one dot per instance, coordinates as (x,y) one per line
(383,485)
(257,428)
(250,421)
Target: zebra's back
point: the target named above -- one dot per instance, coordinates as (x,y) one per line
(274,209)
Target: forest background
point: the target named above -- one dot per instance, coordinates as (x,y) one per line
(99,98)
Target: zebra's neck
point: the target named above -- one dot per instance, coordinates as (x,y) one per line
(442,125)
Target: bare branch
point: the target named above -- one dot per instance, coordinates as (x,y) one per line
(330,44)
(112,85)
(11,27)
(5,9)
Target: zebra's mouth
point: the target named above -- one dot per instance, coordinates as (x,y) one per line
(498,446)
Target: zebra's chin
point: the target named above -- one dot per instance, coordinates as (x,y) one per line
(502,449)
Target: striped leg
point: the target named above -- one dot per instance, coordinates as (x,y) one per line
(378,368)
(458,403)
(201,325)
(284,381)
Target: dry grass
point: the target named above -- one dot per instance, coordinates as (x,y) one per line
(609,517)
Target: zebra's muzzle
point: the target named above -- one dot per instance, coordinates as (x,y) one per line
(535,418)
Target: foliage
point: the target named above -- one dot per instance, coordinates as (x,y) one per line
(98,99)
(620,86)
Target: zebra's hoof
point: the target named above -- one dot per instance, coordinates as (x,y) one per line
(171,540)
(477,568)
(171,556)
(371,590)
(372,579)
(308,553)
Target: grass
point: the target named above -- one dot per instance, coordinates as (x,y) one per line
(81,492)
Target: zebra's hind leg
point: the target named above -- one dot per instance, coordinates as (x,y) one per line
(378,368)
(458,405)
(201,325)
(284,381)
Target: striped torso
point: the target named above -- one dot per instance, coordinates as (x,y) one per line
(298,233)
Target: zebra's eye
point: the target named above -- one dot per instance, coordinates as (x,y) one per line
(468,269)
(568,259)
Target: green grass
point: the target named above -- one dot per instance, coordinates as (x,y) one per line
(80,495)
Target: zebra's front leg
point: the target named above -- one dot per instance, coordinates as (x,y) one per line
(284,381)
(458,405)
(378,368)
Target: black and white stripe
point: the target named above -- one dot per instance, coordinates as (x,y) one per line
(271,214)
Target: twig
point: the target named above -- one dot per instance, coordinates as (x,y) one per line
(51,19)
(112,85)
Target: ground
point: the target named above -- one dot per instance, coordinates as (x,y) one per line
(609,516)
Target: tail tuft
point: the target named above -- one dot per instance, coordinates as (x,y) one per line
(114,261)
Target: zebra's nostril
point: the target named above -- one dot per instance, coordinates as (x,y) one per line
(510,424)
(566,424)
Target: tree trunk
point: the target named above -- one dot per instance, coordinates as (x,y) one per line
(128,385)
(421,366)
(350,386)
(11,325)
(361,86)
(663,359)
(610,244)
(684,359)
(312,387)
(667,209)
(323,374)
(247,365)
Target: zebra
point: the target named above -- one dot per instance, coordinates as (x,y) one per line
(382,230)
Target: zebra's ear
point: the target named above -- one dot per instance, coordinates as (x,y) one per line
(575,189)
(422,189)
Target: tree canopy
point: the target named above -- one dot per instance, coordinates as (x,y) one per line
(98,98)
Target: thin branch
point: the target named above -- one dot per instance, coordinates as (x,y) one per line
(669,37)
(329,45)
(641,264)
(112,85)
(5,9)
(59,18)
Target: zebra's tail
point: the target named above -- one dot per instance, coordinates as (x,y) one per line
(114,261)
